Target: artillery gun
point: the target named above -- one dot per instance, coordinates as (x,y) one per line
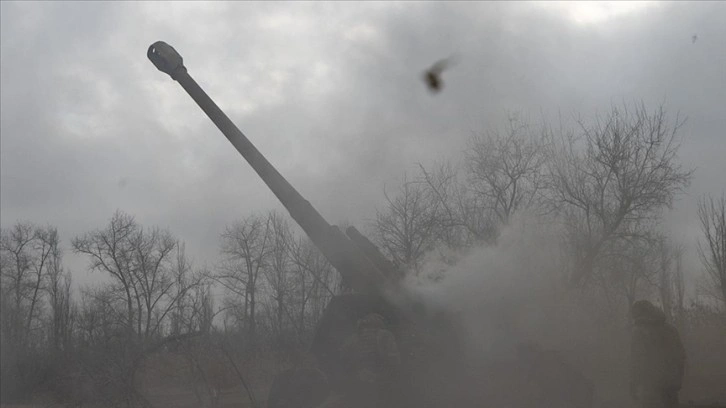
(426,340)
(434,371)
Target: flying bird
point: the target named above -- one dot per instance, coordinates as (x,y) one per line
(432,76)
(694,38)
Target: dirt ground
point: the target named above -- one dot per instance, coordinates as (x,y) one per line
(208,380)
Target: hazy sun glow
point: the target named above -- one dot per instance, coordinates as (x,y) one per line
(593,12)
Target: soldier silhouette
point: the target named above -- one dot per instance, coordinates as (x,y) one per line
(657,358)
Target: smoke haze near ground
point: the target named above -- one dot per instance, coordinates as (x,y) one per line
(515,294)
(504,294)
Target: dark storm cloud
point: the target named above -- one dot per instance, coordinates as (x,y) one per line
(331,93)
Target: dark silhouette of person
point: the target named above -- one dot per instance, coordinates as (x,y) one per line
(657,359)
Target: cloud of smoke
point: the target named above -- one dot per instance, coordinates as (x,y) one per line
(514,294)
(502,295)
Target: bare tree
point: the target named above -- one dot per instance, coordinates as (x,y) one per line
(62,308)
(621,176)
(504,170)
(203,308)
(246,246)
(315,282)
(153,255)
(130,312)
(101,316)
(108,358)
(194,308)
(670,284)
(407,227)
(679,287)
(30,255)
(180,315)
(140,263)
(464,220)
(627,271)
(19,259)
(712,248)
(111,251)
(45,246)
(27,253)
(277,272)
(436,214)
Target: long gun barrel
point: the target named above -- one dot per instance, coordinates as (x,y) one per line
(352,263)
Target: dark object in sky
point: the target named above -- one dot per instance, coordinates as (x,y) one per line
(694,38)
(432,77)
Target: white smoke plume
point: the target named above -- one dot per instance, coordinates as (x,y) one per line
(503,293)
(516,293)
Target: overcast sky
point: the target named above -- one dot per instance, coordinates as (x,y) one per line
(331,93)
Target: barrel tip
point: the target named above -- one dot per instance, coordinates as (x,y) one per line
(166,58)
(153,47)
